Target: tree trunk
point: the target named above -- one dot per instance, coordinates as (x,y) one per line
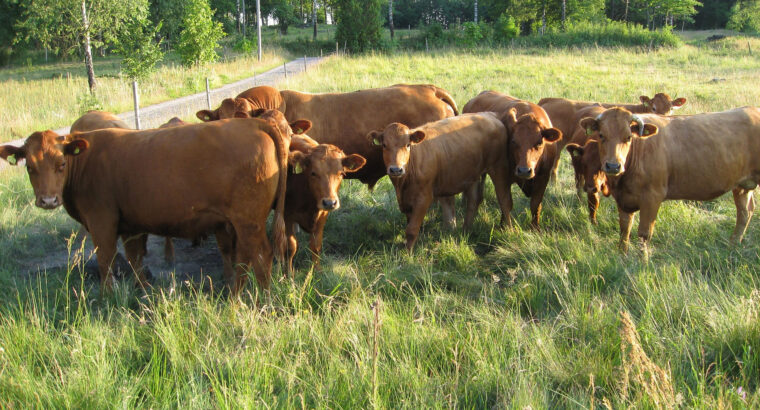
(625,16)
(238,16)
(564,14)
(242,18)
(88,50)
(390,16)
(314,17)
(476,11)
(543,20)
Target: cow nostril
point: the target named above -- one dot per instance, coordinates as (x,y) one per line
(329,203)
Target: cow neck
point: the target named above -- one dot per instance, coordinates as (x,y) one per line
(632,160)
(74,169)
(403,181)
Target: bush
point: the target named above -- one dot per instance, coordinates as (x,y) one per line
(201,35)
(139,49)
(611,33)
(745,17)
(244,45)
(359,24)
(505,29)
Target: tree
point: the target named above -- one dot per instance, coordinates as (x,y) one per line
(66,26)
(745,16)
(138,47)
(200,35)
(359,24)
(390,17)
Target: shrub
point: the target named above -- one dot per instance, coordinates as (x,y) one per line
(201,34)
(505,28)
(359,24)
(611,33)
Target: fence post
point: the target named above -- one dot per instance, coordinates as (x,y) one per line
(336,48)
(285,68)
(304,63)
(320,53)
(137,104)
(208,95)
(426,46)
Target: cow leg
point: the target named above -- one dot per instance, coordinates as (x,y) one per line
(416,216)
(104,239)
(626,222)
(168,250)
(503,188)
(135,248)
(555,167)
(593,206)
(472,197)
(647,217)
(252,250)
(317,229)
(226,242)
(745,207)
(448,212)
(290,233)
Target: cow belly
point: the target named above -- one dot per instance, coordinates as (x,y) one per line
(200,224)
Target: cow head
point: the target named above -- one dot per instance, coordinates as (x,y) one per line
(589,166)
(325,166)
(45,154)
(397,140)
(615,128)
(230,108)
(527,139)
(662,103)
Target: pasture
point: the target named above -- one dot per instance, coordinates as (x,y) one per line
(490,318)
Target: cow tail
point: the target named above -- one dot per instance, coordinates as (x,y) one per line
(280,240)
(441,94)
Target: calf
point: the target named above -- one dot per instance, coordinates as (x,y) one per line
(188,181)
(649,159)
(586,163)
(532,150)
(442,159)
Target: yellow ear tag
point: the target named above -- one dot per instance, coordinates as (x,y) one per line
(298,131)
(12,159)
(576,154)
(376,141)
(297,169)
(646,103)
(76,151)
(589,132)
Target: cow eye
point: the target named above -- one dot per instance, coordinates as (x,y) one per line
(409,146)
(601,137)
(61,167)
(314,174)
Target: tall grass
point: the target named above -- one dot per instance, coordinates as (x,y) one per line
(491,318)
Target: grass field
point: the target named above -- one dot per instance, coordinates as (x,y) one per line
(490,319)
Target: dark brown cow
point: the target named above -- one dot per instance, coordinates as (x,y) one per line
(246,102)
(442,159)
(189,181)
(564,112)
(532,149)
(314,179)
(586,163)
(344,119)
(649,159)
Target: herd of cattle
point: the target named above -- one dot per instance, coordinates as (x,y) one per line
(252,154)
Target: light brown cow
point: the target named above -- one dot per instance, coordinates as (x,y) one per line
(564,115)
(173,122)
(442,159)
(344,119)
(246,102)
(96,120)
(188,181)
(579,138)
(531,150)
(586,163)
(649,159)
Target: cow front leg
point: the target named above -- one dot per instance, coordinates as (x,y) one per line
(168,250)
(415,218)
(745,207)
(135,248)
(472,196)
(626,222)
(252,250)
(448,211)
(503,187)
(647,217)
(593,206)
(290,232)
(315,244)
(225,240)
(104,237)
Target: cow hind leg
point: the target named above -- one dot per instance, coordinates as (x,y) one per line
(290,232)
(448,211)
(593,206)
(225,240)
(135,247)
(503,188)
(168,251)
(104,239)
(473,197)
(745,207)
(252,250)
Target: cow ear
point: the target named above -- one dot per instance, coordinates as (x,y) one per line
(551,134)
(12,153)
(375,137)
(645,100)
(589,124)
(207,115)
(509,119)
(649,130)
(353,162)
(575,150)
(300,126)
(298,160)
(242,114)
(678,102)
(417,137)
(75,147)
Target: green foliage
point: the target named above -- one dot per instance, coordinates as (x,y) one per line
(87,102)
(745,16)
(612,33)
(505,28)
(138,47)
(170,14)
(359,24)
(285,14)
(244,45)
(200,35)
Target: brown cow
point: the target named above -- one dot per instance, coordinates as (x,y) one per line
(246,102)
(96,120)
(564,113)
(586,163)
(442,159)
(344,119)
(189,181)
(173,122)
(649,159)
(532,150)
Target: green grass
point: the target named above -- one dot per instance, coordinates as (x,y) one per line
(493,318)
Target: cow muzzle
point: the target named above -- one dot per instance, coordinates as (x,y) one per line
(329,204)
(524,172)
(395,171)
(612,168)
(48,202)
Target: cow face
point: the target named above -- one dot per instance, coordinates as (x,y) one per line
(325,166)
(45,154)
(527,139)
(397,140)
(615,129)
(662,103)
(589,166)
(230,108)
